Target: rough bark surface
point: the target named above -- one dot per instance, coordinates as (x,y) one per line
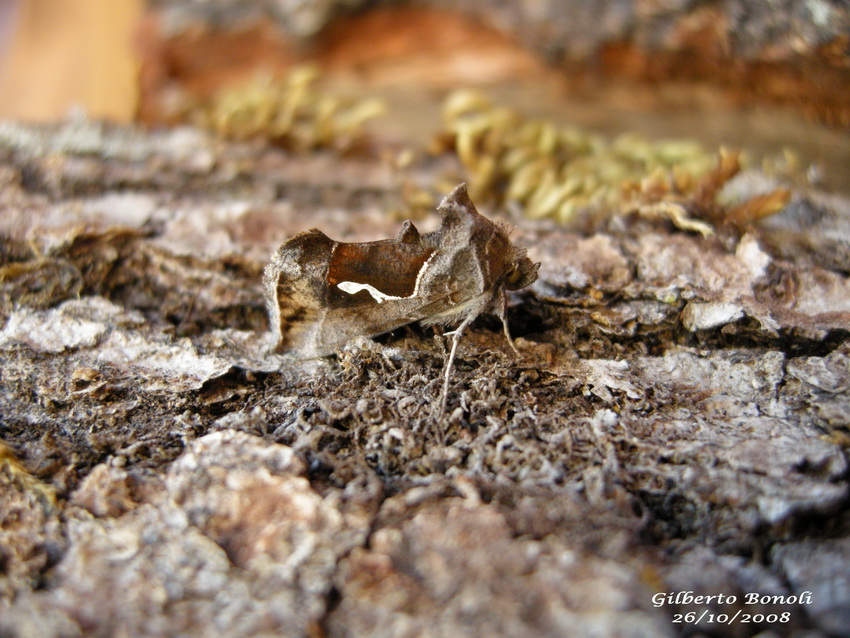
(678,421)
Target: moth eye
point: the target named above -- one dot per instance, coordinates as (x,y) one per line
(513,275)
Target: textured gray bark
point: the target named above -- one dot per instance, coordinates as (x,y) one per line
(678,420)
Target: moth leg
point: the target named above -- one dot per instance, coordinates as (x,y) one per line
(456,335)
(502,313)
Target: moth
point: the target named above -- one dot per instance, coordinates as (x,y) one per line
(323,293)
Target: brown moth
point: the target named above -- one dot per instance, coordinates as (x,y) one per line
(323,293)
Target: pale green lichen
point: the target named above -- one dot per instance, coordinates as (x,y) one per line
(550,170)
(290,112)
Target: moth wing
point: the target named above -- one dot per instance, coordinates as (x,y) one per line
(370,319)
(293,290)
(312,315)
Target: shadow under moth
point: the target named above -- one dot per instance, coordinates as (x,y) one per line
(323,293)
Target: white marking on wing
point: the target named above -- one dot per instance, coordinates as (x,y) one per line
(421,273)
(353,288)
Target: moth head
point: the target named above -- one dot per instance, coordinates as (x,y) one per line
(521,270)
(513,276)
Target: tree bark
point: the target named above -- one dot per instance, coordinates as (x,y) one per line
(676,426)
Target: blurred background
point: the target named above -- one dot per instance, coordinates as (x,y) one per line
(74,53)
(764,74)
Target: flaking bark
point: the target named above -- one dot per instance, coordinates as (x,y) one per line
(678,419)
